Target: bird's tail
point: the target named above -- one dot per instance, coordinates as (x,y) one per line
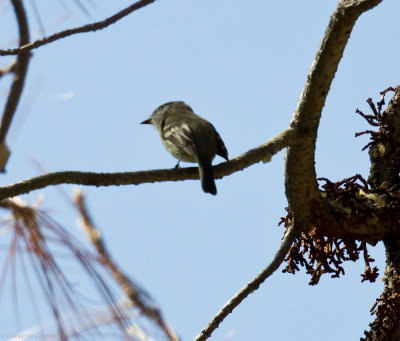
(207,178)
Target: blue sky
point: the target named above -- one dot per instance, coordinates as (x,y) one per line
(242,66)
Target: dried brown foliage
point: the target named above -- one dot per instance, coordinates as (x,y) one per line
(321,254)
(138,296)
(38,258)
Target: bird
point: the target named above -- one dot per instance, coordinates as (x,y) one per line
(190,138)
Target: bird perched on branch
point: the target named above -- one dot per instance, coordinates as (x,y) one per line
(190,138)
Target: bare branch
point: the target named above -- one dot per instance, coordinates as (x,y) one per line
(83,29)
(19,68)
(251,286)
(263,153)
(10,68)
(300,176)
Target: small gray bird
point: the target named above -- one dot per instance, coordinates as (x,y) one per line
(190,138)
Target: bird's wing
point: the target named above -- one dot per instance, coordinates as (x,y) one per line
(181,135)
(221,151)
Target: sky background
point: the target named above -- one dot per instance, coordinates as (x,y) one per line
(241,65)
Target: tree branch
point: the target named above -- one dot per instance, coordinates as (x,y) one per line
(300,176)
(20,69)
(83,29)
(251,286)
(263,153)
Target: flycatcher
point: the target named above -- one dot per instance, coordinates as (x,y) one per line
(190,138)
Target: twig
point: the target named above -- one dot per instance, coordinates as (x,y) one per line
(260,153)
(20,69)
(8,69)
(82,29)
(251,286)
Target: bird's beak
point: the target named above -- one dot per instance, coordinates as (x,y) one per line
(146,122)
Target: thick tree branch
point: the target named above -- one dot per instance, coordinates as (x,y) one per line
(300,176)
(83,29)
(20,69)
(263,153)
